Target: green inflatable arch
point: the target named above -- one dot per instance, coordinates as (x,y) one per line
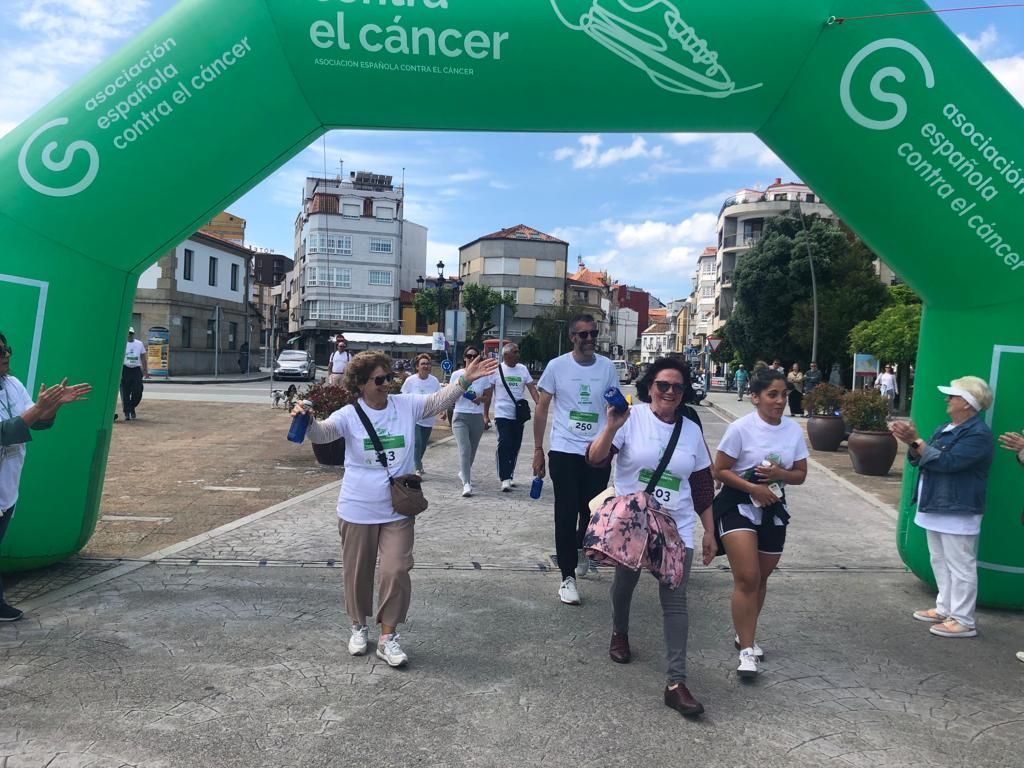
(892,121)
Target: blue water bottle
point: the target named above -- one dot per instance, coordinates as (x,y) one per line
(300,423)
(536,487)
(469,394)
(616,400)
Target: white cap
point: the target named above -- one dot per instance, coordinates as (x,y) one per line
(958,392)
(131,330)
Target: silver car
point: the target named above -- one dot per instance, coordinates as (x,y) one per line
(294,364)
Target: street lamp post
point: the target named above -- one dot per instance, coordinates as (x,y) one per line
(439,283)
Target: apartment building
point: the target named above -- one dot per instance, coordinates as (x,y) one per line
(519,260)
(354,254)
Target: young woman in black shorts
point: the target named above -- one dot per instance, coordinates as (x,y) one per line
(758,456)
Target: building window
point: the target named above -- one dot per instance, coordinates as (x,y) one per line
(707,292)
(186,332)
(545,268)
(213,270)
(811,198)
(501,266)
(380,277)
(187,266)
(385,213)
(782,196)
(351,311)
(350,210)
(368,207)
(329,242)
(579,296)
(543,296)
(234,277)
(232,335)
(709,267)
(382,245)
(328,277)
(211,334)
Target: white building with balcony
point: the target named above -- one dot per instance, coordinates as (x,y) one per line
(354,254)
(740,224)
(702,300)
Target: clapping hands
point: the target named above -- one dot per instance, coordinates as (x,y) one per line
(50,399)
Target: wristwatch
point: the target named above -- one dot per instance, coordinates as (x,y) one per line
(916,445)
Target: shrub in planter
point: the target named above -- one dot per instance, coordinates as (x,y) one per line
(825,428)
(326,399)
(872,446)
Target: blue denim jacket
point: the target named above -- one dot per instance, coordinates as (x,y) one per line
(954,466)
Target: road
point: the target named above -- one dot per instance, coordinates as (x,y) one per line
(257,392)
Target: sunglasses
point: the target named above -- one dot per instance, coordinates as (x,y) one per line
(471,356)
(587,334)
(380,380)
(665,386)
(5,351)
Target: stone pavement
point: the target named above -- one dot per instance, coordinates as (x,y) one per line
(230,651)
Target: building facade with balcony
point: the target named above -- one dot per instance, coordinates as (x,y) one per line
(354,254)
(740,224)
(519,260)
(702,300)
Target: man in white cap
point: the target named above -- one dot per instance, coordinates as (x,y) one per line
(132,373)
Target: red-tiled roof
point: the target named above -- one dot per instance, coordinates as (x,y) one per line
(584,275)
(658,314)
(519,232)
(709,250)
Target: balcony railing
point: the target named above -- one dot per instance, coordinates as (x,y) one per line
(740,241)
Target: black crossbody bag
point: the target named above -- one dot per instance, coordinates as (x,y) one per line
(522,407)
(406,490)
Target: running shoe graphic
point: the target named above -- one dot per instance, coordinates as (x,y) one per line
(652,35)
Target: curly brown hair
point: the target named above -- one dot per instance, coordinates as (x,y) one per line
(362,366)
(424,356)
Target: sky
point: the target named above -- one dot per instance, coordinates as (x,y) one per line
(641,206)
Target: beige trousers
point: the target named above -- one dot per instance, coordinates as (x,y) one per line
(360,545)
(336,379)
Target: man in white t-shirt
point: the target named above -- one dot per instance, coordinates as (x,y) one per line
(339,361)
(510,430)
(575,383)
(132,373)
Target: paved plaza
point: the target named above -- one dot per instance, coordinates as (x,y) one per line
(230,651)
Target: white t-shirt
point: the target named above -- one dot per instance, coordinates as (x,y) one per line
(339,361)
(134,352)
(517,377)
(365,495)
(886,383)
(750,440)
(414,385)
(641,442)
(961,525)
(578,398)
(14,401)
(478,387)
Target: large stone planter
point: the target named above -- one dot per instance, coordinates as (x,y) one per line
(826,432)
(872,453)
(330,454)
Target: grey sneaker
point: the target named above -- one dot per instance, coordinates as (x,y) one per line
(390,651)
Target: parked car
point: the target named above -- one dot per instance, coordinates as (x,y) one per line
(623,369)
(294,364)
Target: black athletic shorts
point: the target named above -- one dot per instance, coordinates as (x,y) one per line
(771,538)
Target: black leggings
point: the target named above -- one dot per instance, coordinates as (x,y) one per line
(4,522)
(575,483)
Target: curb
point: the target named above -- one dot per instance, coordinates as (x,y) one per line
(886,510)
(174,380)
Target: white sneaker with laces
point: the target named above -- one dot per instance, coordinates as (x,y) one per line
(506,486)
(467,490)
(390,651)
(757,648)
(357,643)
(568,593)
(748,664)
(582,564)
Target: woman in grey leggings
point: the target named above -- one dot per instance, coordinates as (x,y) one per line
(470,419)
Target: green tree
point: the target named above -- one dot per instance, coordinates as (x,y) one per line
(548,336)
(428,305)
(891,337)
(480,301)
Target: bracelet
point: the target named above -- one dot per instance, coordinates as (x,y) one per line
(463,383)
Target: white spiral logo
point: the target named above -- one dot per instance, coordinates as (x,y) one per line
(881,75)
(58,166)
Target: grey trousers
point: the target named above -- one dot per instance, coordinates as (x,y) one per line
(675,618)
(467,428)
(422,439)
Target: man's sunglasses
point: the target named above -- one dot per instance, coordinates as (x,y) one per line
(5,351)
(380,380)
(587,334)
(665,386)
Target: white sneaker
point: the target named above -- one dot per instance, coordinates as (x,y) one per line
(757,648)
(390,651)
(748,664)
(512,483)
(506,486)
(582,564)
(568,593)
(467,490)
(357,643)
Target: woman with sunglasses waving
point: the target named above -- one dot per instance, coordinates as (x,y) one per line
(369,526)
(639,438)
(758,456)
(19,415)
(470,419)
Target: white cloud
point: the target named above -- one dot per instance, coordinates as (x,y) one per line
(1010,72)
(589,154)
(698,229)
(728,150)
(983,43)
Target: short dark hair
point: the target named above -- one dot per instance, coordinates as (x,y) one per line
(643,386)
(762,378)
(583,317)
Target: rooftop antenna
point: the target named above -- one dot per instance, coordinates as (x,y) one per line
(341,169)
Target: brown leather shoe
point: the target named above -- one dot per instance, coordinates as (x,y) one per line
(619,651)
(682,701)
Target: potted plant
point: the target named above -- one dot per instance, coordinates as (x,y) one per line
(825,427)
(872,446)
(326,399)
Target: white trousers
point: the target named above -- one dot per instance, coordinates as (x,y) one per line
(955,565)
